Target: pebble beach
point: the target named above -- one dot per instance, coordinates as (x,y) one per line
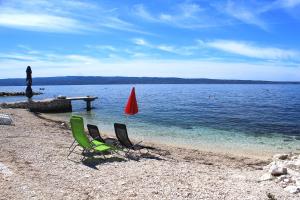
(34,165)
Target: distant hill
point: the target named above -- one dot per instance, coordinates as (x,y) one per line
(99,80)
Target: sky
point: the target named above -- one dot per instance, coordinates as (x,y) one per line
(230,39)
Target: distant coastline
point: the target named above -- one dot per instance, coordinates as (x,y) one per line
(108,80)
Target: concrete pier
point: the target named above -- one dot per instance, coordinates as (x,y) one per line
(87,99)
(58,105)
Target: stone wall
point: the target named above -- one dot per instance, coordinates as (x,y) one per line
(45,106)
(23,105)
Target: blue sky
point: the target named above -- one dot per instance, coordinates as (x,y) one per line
(257,40)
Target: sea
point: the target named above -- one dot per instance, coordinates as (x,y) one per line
(222,117)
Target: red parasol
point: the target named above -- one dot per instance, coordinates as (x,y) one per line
(131,107)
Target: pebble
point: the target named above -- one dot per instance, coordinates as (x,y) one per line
(5,170)
(281,156)
(292,189)
(286,168)
(282,177)
(298,182)
(277,171)
(286,180)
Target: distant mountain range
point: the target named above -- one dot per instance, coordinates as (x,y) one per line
(100,80)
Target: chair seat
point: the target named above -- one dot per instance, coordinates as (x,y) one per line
(101,148)
(97,143)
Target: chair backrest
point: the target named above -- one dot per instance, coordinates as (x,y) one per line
(121,133)
(94,133)
(79,135)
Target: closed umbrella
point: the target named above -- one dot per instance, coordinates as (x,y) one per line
(132,106)
(29,92)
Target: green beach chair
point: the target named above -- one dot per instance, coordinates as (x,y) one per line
(80,137)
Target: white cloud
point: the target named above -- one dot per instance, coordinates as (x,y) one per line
(276,63)
(165,17)
(250,50)
(291,7)
(184,15)
(73,64)
(246,13)
(116,23)
(103,47)
(44,16)
(121,52)
(242,48)
(287,3)
(182,50)
(61,16)
(80,59)
(215,14)
(140,41)
(41,22)
(141,11)
(211,14)
(17,56)
(167,48)
(252,12)
(41,56)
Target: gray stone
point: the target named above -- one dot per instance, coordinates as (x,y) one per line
(298,182)
(292,189)
(286,180)
(281,156)
(5,120)
(278,171)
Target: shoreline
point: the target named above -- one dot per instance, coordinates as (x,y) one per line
(64,125)
(33,165)
(253,151)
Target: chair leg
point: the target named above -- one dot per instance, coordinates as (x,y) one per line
(127,152)
(83,155)
(116,152)
(147,151)
(72,144)
(72,150)
(84,151)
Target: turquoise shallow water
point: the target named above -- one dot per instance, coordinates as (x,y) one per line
(248,117)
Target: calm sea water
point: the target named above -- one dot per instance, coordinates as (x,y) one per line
(230,116)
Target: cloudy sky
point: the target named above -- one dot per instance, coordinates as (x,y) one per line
(251,39)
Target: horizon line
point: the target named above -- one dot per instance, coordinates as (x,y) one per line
(156,77)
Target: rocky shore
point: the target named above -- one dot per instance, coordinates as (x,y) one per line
(284,170)
(43,106)
(8,94)
(33,165)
